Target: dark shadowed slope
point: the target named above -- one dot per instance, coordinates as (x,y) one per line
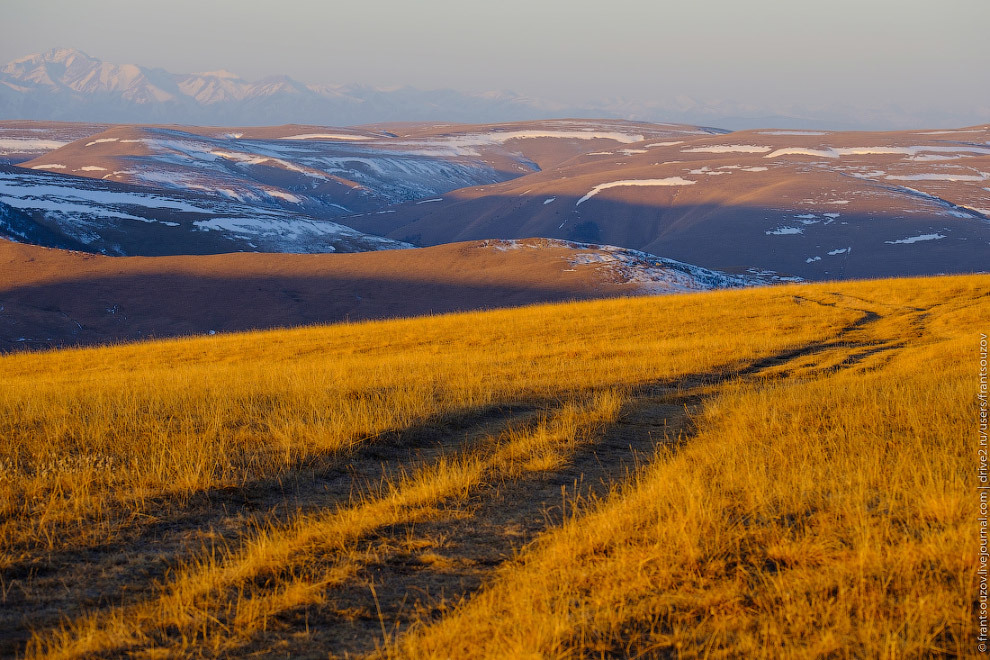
(52,297)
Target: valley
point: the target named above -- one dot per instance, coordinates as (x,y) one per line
(808,204)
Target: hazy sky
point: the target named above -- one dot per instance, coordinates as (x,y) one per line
(921,55)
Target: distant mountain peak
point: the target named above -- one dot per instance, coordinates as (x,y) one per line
(53,55)
(221,73)
(63,55)
(69,84)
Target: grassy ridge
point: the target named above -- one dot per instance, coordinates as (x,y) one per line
(814,503)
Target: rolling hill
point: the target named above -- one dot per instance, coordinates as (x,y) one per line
(811,204)
(273,189)
(51,298)
(335,172)
(814,204)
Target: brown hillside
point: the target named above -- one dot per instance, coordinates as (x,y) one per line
(52,297)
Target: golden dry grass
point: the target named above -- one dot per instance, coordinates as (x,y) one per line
(816,503)
(827,516)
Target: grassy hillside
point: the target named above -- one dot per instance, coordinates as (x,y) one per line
(777,472)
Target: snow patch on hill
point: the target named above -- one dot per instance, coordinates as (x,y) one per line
(936,176)
(668,181)
(727,149)
(916,239)
(28,145)
(792,133)
(838,152)
(468,144)
(327,136)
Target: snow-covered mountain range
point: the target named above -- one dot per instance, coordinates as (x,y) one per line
(68,84)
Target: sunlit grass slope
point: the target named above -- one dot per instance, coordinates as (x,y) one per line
(830,513)
(814,500)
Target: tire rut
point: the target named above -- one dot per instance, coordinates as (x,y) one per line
(38,593)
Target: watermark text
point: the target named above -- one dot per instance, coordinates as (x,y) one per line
(983,487)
